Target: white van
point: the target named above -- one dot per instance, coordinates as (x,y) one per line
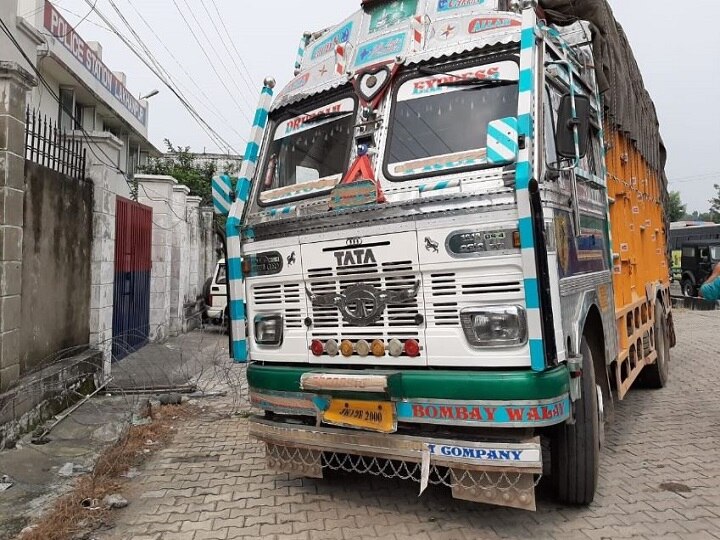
(216,295)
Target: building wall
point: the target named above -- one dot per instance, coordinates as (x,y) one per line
(183,254)
(57,243)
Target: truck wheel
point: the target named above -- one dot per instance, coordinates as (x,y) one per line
(656,375)
(688,289)
(575,448)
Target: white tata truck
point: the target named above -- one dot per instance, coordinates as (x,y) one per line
(447,248)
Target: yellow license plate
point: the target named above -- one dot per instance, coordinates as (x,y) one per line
(370,415)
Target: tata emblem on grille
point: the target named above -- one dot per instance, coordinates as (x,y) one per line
(363,304)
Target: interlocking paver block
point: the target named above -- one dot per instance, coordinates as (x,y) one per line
(214,478)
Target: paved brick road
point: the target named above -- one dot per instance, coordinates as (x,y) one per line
(212,483)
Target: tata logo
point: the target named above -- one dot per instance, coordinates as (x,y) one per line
(355,257)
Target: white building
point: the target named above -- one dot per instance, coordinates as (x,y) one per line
(95,105)
(98,97)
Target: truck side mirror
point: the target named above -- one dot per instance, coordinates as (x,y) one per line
(565,133)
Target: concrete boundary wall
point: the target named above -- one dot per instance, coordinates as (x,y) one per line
(183,254)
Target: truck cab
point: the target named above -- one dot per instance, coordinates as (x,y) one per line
(433,253)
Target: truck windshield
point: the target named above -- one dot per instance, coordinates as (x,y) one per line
(437,127)
(308,152)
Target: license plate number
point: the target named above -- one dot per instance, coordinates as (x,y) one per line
(369,415)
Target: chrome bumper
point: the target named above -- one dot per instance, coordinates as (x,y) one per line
(503,473)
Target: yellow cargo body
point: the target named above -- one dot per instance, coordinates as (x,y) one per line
(640,252)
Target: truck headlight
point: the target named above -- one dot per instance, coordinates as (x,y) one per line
(269,330)
(495,326)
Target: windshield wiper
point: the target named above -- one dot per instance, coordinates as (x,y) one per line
(320,116)
(476,82)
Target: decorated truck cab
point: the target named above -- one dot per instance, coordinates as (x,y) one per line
(447,247)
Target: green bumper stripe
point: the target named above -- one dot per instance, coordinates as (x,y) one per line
(449,385)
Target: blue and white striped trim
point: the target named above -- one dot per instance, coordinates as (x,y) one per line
(221,190)
(236,282)
(301,52)
(437,186)
(524,173)
(502,141)
(281,211)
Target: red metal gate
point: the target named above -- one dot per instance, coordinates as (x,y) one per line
(133,264)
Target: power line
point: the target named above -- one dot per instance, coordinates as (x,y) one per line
(196,116)
(208,102)
(232,43)
(74,28)
(695,178)
(207,56)
(158,66)
(70,113)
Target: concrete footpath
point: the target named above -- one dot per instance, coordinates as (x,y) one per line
(659,478)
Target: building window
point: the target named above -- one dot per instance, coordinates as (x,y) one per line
(67,108)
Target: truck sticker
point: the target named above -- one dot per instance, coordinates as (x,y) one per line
(552,412)
(326,46)
(390,14)
(305,121)
(484,24)
(450,5)
(380,49)
(483,454)
(440,163)
(424,86)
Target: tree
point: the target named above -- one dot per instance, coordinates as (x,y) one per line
(179,163)
(715,204)
(676,209)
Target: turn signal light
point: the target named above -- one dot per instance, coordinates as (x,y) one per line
(412,348)
(378,348)
(331,347)
(362,347)
(516,239)
(346,348)
(395,347)
(317,347)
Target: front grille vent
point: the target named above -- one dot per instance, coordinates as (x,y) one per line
(398,320)
(280,298)
(446,292)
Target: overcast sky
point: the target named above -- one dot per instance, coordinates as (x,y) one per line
(677,50)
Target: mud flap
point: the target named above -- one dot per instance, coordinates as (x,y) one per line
(515,491)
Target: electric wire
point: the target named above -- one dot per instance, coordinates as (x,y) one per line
(158,66)
(212,108)
(75,27)
(51,91)
(232,43)
(191,110)
(207,56)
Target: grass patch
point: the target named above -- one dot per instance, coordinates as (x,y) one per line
(68,518)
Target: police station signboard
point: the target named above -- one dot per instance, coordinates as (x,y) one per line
(65,34)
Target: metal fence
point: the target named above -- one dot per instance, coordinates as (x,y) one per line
(48,145)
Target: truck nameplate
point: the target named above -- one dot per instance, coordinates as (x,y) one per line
(265,264)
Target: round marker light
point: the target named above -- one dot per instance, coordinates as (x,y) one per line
(412,348)
(362,347)
(317,347)
(331,347)
(346,348)
(378,348)
(395,347)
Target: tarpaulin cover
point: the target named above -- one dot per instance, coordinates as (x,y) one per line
(628,106)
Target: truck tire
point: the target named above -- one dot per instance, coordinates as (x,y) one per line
(688,288)
(575,448)
(655,375)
